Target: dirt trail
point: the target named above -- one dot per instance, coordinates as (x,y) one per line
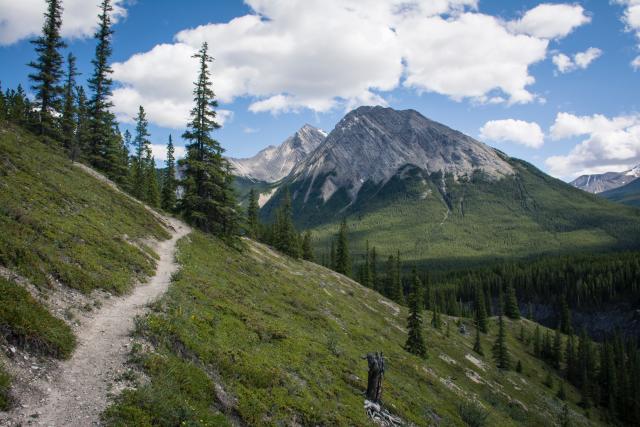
(78,392)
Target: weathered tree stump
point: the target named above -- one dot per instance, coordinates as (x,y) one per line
(376,374)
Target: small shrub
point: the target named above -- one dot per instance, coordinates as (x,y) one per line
(473,414)
(28,324)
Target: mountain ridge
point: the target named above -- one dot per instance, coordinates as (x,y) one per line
(273,163)
(599,183)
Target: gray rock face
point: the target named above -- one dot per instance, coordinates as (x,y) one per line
(274,163)
(606,181)
(373,143)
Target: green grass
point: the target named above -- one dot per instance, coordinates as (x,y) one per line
(57,223)
(27,323)
(5,384)
(281,342)
(525,216)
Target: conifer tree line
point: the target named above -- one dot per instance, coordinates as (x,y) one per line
(281,233)
(81,122)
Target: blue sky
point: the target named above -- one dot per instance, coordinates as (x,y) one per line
(504,72)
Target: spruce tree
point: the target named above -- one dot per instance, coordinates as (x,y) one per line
(565,317)
(436,322)
(537,342)
(375,281)
(332,255)
(365,276)
(511,304)
(142,146)
(398,291)
(477,345)
(343,260)
(68,119)
(81,137)
(151,187)
(285,235)
(253,215)
(500,353)
(209,201)
(101,139)
(557,349)
(415,341)
(169,182)
(480,310)
(307,250)
(562,394)
(48,68)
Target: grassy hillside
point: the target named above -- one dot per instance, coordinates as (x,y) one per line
(627,194)
(57,223)
(60,225)
(471,222)
(261,338)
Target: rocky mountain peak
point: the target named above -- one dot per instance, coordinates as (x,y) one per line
(373,143)
(275,162)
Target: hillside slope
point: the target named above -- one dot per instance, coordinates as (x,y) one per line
(60,225)
(254,338)
(68,241)
(628,194)
(476,221)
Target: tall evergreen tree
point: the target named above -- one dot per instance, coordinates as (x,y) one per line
(101,150)
(343,260)
(68,119)
(565,316)
(307,250)
(511,304)
(332,255)
(209,201)
(285,235)
(151,187)
(415,341)
(375,281)
(398,292)
(48,68)
(436,322)
(142,146)
(81,137)
(557,349)
(365,272)
(477,345)
(253,215)
(500,353)
(480,310)
(169,182)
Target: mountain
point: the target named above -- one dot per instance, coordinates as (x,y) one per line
(606,181)
(241,337)
(628,194)
(274,163)
(406,183)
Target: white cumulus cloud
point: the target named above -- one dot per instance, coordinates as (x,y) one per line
(516,131)
(608,144)
(327,54)
(159,152)
(20,19)
(631,19)
(551,21)
(565,64)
